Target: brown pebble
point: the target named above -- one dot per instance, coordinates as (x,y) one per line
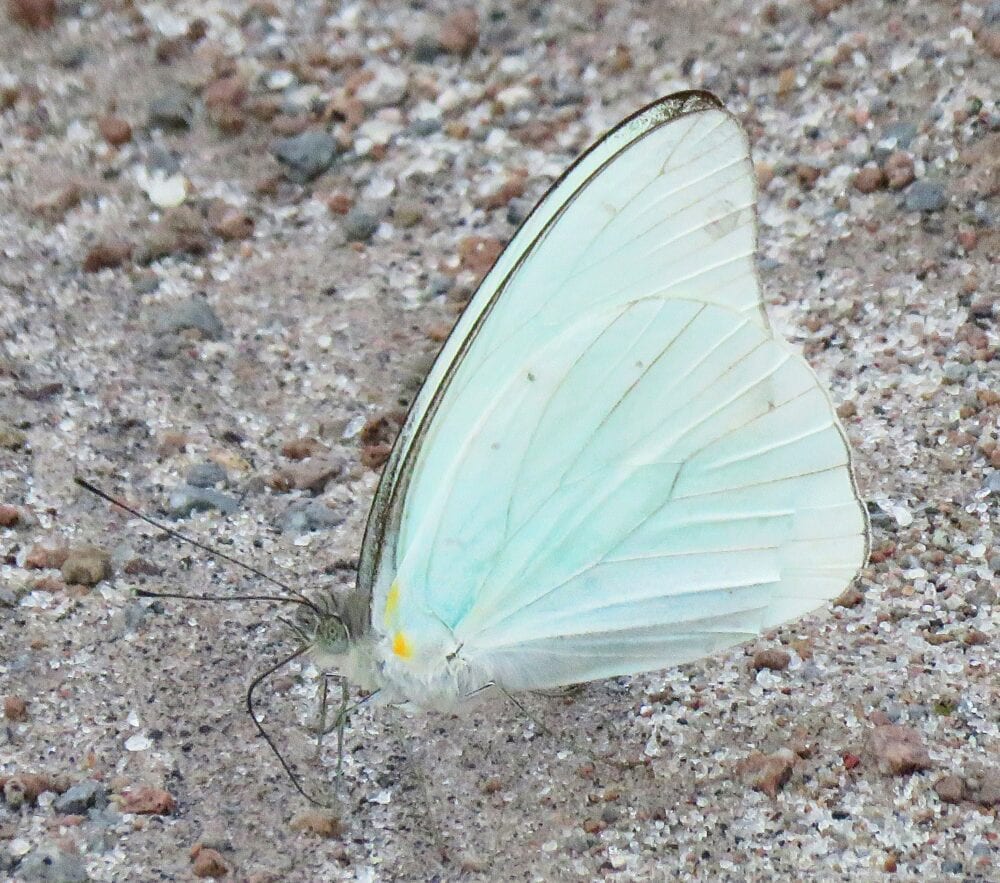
(148,801)
(767,772)
(989,39)
(171,442)
(849,598)
(225,92)
(323,824)
(86,566)
(37,14)
(479,253)
(114,130)
(459,32)
(229,222)
(869,179)
(772,658)
(15,708)
(42,557)
(951,789)
(301,448)
(25,787)
(786,81)
(339,203)
(55,203)
(492,785)
(511,188)
(898,749)
(181,230)
(898,169)
(9,515)
(765,174)
(208,863)
(374,456)
(846,410)
(107,255)
(807,175)
(308,475)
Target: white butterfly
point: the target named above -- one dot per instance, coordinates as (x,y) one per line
(614,465)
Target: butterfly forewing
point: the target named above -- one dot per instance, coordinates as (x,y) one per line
(614,465)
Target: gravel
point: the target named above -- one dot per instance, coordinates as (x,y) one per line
(212,344)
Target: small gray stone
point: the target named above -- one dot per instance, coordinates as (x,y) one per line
(205,475)
(951,867)
(194,313)
(517,210)
(426,48)
(47,864)
(609,815)
(81,797)
(184,500)
(925,196)
(993,482)
(440,284)
(901,133)
(71,56)
(423,128)
(360,224)
(577,843)
(306,156)
(991,15)
(955,372)
(313,515)
(172,112)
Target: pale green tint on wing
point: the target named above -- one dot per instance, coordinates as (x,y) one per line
(662,204)
(614,464)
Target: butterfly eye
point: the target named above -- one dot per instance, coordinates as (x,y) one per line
(331,636)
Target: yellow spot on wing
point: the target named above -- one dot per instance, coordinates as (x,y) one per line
(401,647)
(391,601)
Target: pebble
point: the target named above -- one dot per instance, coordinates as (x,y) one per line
(925,196)
(37,14)
(15,709)
(194,313)
(9,515)
(360,223)
(898,170)
(86,566)
(302,448)
(204,475)
(81,797)
(869,179)
(387,87)
(306,156)
(768,773)
(771,658)
(951,789)
(208,863)
(148,801)
(459,32)
(172,112)
(115,130)
(11,438)
(230,222)
(107,255)
(305,516)
(517,211)
(185,499)
(898,749)
(308,475)
(408,213)
(323,823)
(49,864)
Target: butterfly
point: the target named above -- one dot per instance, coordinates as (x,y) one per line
(615,464)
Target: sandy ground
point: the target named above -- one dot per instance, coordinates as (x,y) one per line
(317,309)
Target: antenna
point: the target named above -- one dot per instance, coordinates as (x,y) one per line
(296,597)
